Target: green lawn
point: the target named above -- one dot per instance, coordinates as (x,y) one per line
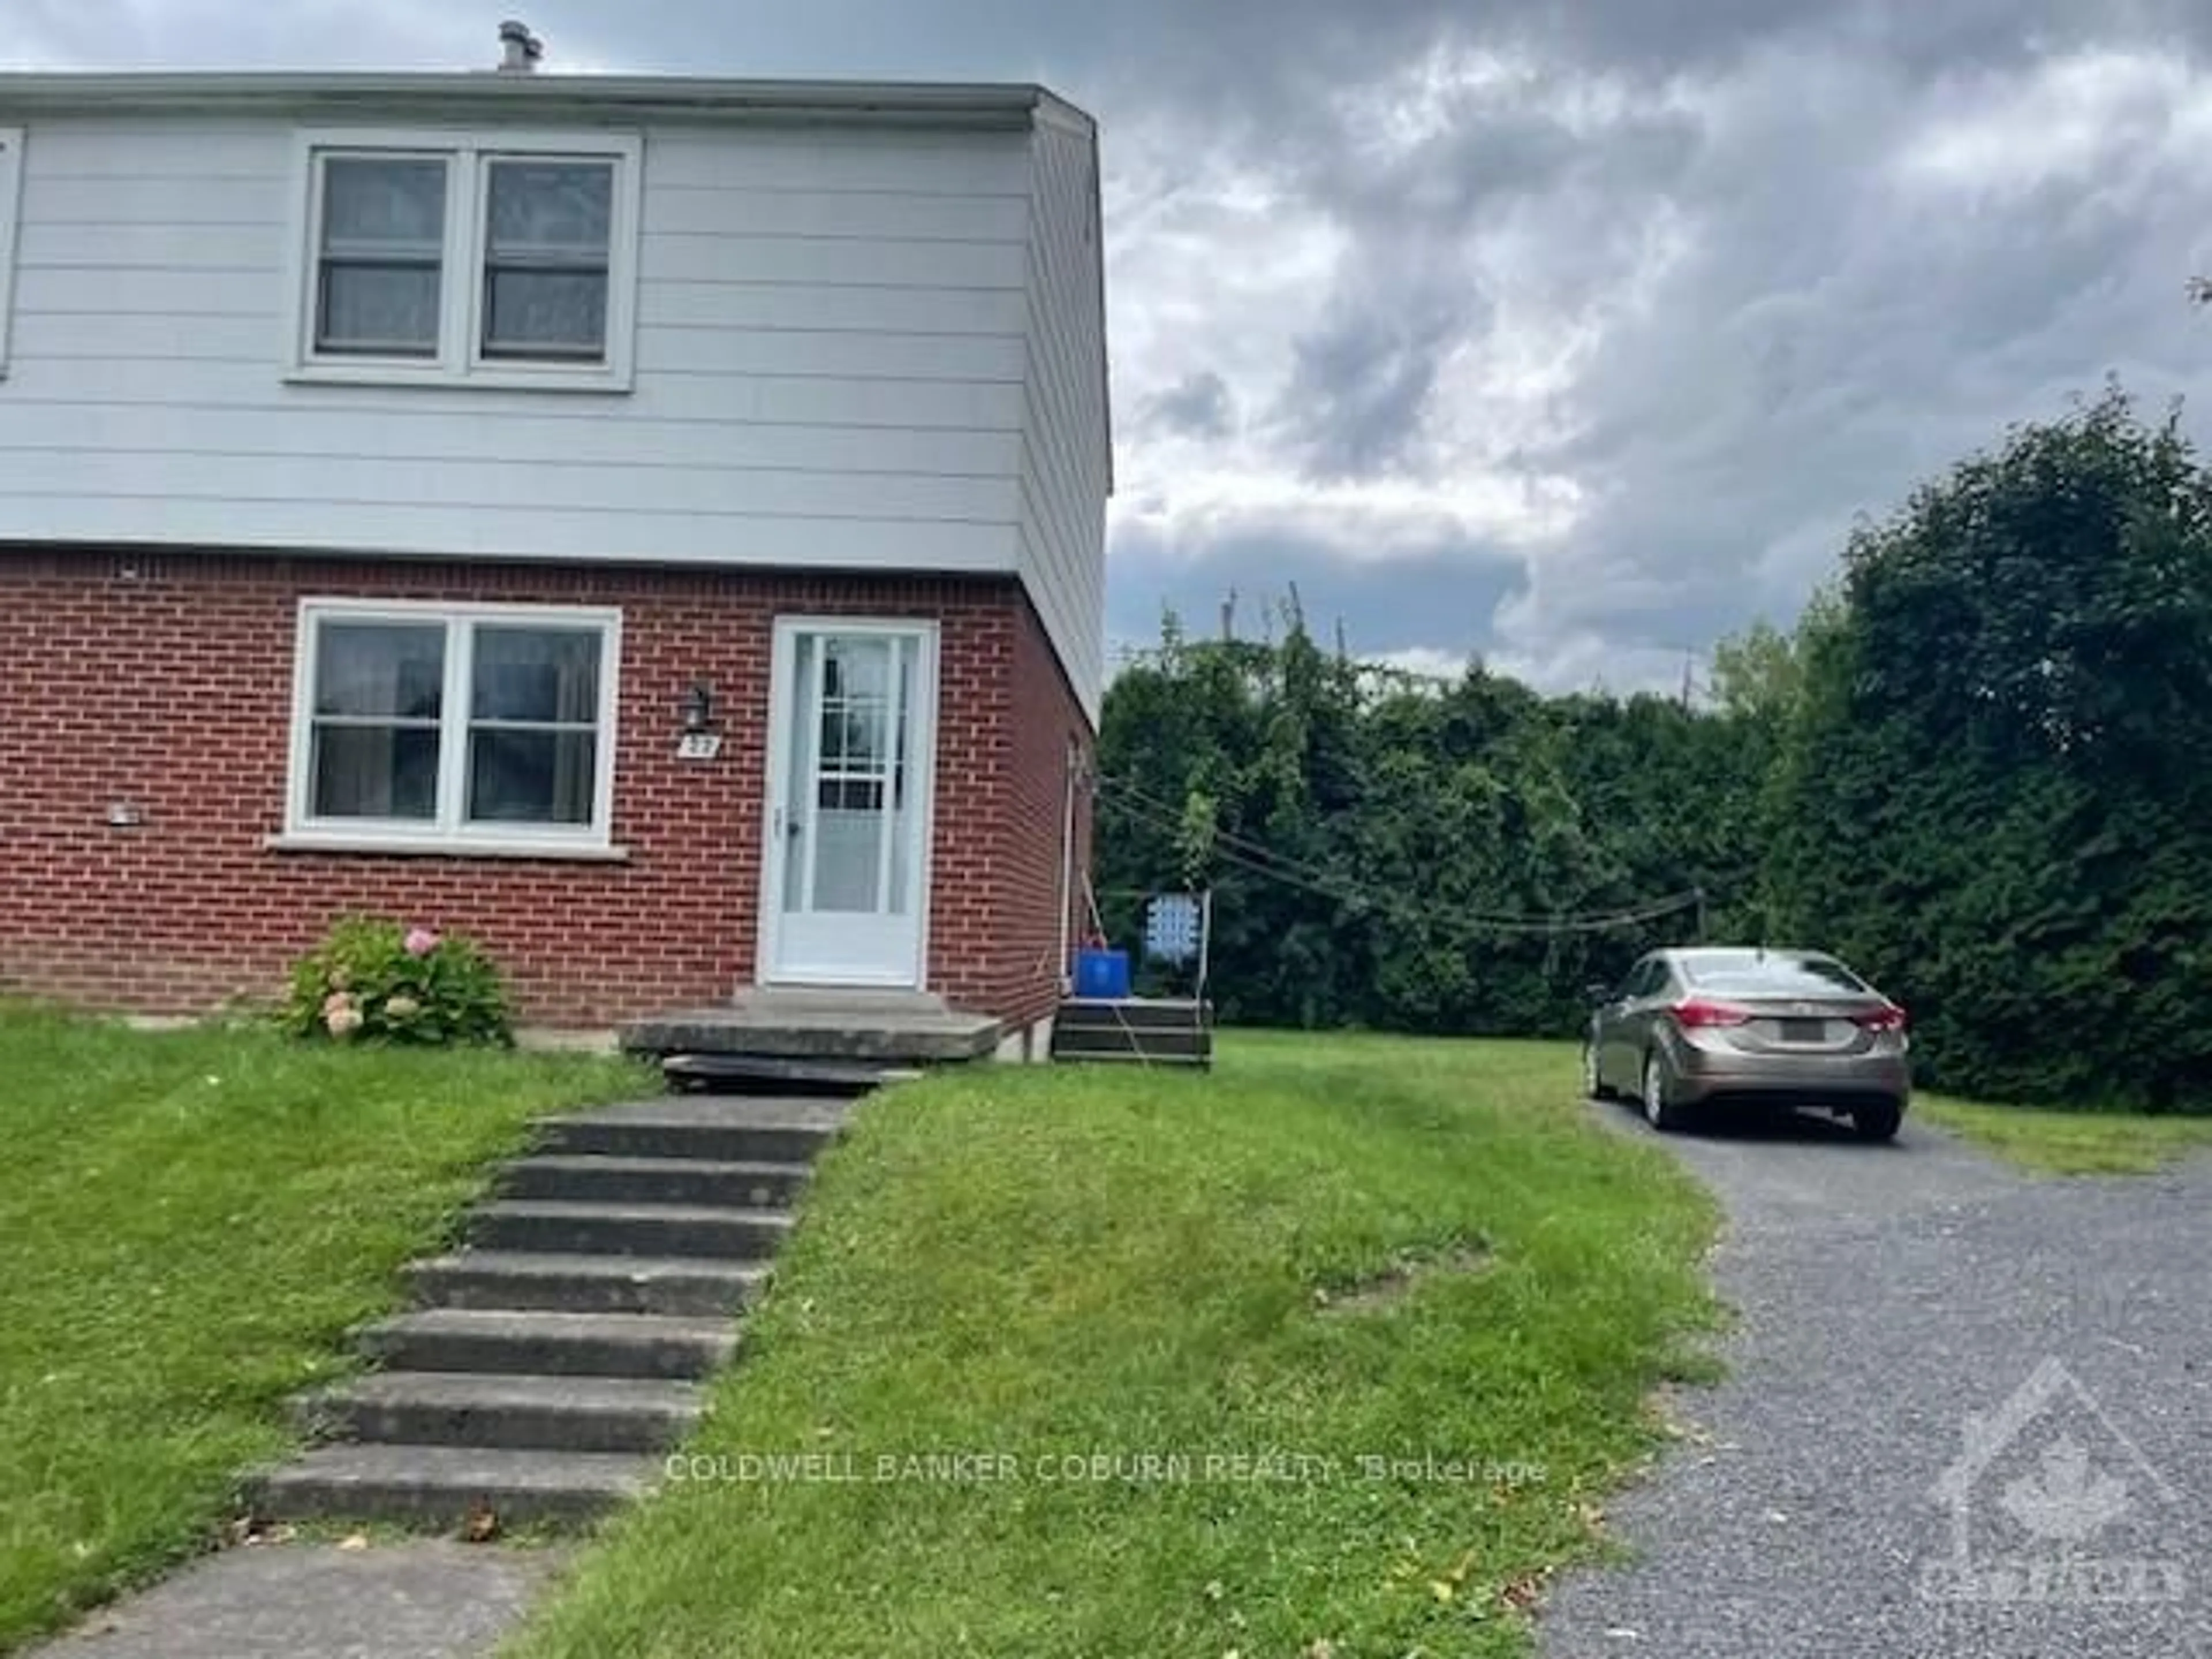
(1333,1249)
(2072,1143)
(191,1221)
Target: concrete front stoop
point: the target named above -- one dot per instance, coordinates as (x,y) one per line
(807,1035)
(569,1340)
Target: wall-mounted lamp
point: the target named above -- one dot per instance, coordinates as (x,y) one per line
(699,707)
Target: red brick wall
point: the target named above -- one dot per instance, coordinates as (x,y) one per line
(1043,722)
(165,680)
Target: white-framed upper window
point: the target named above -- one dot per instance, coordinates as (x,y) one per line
(429,726)
(496,260)
(548,237)
(11,187)
(380,255)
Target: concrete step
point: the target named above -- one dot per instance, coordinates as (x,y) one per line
(651,1230)
(585,1179)
(721,1128)
(515,1343)
(1098,1042)
(1133,1013)
(462,1408)
(1133,1057)
(845,1027)
(759,1075)
(680,1285)
(444,1487)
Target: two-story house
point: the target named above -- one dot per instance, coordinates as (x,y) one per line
(654,525)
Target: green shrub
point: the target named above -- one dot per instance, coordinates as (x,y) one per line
(374,980)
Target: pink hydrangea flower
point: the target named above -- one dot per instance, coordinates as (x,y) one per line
(420,942)
(343,1023)
(336,1000)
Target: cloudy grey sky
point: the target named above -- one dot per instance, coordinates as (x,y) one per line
(1571,334)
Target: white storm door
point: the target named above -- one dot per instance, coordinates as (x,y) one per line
(853,717)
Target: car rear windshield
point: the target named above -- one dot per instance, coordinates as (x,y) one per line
(1752,974)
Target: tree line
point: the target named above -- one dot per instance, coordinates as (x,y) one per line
(1979,767)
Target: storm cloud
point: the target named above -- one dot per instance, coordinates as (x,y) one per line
(1570,336)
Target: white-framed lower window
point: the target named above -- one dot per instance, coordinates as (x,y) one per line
(492,258)
(469,728)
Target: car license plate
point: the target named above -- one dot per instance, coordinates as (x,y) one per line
(1804,1030)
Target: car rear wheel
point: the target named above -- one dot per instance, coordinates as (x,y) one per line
(1659,1111)
(1880,1121)
(1594,1087)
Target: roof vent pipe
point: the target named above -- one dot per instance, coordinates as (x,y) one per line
(521,49)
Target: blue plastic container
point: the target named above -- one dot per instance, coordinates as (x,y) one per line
(1101,974)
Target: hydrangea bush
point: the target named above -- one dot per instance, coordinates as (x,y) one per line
(373,981)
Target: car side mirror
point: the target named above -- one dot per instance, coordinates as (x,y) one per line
(1598,992)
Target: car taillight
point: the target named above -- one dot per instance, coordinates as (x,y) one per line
(1696,1015)
(1889,1017)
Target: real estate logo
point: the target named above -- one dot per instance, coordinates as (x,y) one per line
(2050,1502)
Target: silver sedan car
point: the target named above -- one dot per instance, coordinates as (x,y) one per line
(1749,1027)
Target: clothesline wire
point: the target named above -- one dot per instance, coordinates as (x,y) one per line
(1258,859)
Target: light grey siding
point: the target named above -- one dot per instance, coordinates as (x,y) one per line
(831,350)
(1065,459)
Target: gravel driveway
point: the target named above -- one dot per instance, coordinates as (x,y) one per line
(1884,1293)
